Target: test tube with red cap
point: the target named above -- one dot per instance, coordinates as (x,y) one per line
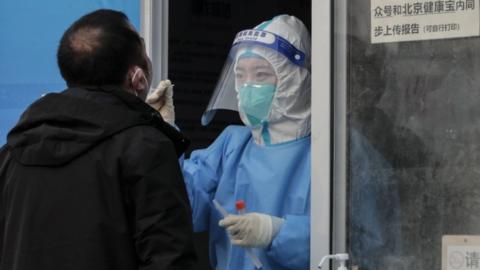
(240,206)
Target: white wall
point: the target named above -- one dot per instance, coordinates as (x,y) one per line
(321,127)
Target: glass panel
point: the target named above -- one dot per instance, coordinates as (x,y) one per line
(413,148)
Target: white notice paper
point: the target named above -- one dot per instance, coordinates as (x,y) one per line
(407,20)
(460,252)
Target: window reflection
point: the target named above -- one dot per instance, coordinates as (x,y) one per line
(413,147)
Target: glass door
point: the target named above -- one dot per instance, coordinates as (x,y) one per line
(410,100)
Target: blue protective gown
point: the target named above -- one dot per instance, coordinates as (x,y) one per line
(273,180)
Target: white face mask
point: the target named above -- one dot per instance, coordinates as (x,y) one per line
(147,84)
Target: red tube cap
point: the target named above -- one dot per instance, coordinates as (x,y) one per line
(240,205)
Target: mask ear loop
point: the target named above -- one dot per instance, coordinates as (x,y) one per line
(137,69)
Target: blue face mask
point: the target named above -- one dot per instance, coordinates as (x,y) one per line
(255,101)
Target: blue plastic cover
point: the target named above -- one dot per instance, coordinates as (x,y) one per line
(30,31)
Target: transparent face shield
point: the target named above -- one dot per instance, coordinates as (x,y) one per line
(249,46)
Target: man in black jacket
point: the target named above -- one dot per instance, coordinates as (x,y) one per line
(89,177)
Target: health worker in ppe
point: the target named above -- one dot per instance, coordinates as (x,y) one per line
(265,163)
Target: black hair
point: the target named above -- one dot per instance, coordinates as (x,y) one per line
(99,48)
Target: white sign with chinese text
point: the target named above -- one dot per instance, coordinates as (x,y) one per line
(460,252)
(407,20)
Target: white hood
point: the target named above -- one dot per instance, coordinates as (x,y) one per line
(289,117)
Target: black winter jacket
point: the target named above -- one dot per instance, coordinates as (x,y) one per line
(89,179)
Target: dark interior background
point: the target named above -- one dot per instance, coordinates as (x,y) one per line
(200,36)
